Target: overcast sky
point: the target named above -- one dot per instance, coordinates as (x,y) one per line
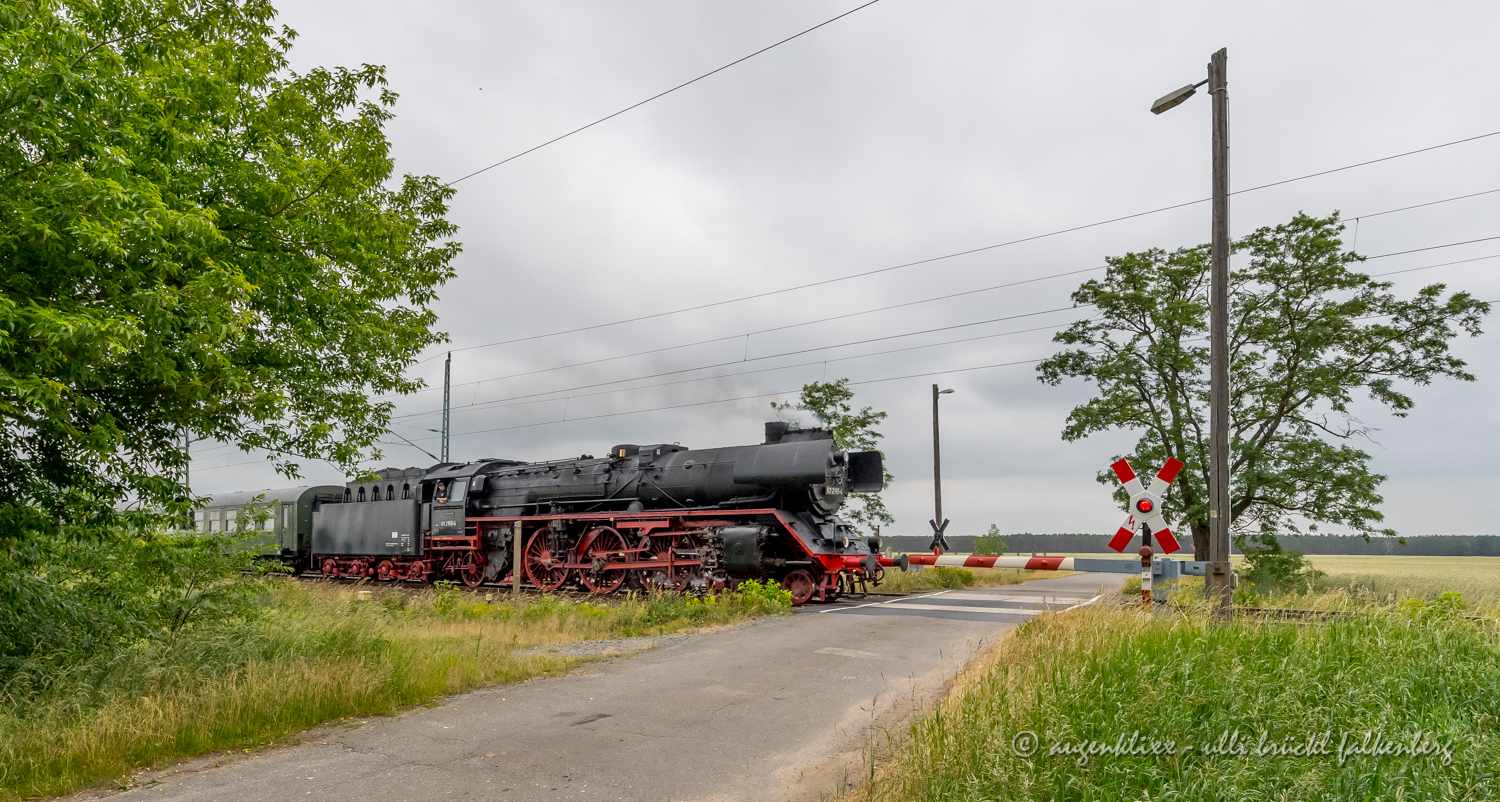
(904,131)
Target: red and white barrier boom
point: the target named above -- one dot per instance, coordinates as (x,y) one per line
(1145,506)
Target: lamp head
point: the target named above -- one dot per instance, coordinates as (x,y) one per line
(944,392)
(1172,100)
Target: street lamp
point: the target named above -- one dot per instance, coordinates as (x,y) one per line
(939,523)
(1219,574)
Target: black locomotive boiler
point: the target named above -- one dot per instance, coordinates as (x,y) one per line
(643,517)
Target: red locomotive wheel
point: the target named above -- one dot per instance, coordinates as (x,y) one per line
(472,569)
(605,547)
(542,568)
(801,585)
(385,570)
(330,568)
(663,549)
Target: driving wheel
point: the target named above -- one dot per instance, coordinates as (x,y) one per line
(605,548)
(544,569)
(472,569)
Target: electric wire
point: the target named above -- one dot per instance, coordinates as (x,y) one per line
(732,337)
(797,352)
(662,94)
(1423,205)
(1429,267)
(970,251)
(556,395)
(709,402)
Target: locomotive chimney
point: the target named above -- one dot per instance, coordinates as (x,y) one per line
(775,430)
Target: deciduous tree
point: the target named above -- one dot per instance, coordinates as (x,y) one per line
(1308,333)
(196,241)
(828,402)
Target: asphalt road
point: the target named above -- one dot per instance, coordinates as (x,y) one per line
(776,710)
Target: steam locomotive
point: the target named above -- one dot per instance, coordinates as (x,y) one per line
(644,517)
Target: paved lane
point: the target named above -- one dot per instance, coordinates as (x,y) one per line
(777,710)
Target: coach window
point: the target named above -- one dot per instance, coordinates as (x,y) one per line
(198,521)
(390,492)
(406,492)
(348,496)
(361,492)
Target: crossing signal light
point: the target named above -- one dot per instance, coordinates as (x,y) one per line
(1144,506)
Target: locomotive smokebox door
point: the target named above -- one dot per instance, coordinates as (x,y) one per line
(742,557)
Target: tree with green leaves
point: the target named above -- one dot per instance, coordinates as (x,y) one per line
(198,242)
(1308,331)
(990,543)
(828,402)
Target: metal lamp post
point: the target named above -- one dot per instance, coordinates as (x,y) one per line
(939,523)
(1218,574)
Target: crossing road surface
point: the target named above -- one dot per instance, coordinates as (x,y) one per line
(777,710)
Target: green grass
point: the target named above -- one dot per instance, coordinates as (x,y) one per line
(316,654)
(1105,674)
(1395,577)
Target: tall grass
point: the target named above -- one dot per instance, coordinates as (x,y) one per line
(1101,675)
(898,581)
(315,654)
(1399,577)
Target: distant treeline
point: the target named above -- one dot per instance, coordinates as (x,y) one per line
(1430,545)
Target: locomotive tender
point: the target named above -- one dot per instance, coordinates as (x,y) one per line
(645,516)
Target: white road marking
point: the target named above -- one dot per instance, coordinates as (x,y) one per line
(887,601)
(848,653)
(1087,603)
(1012,597)
(960,609)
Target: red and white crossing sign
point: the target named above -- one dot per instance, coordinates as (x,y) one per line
(1145,505)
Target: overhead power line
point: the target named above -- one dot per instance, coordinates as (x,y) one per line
(800,351)
(739,398)
(740,60)
(733,337)
(1424,205)
(1429,267)
(557,395)
(713,401)
(970,251)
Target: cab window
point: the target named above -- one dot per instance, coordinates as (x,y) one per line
(456,490)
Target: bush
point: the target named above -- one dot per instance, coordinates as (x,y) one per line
(84,596)
(1447,605)
(1269,566)
(767,596)
(990,543)
(953,578)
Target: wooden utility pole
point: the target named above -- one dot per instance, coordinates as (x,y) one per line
(515,561)
(937,462)
(1219,573)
